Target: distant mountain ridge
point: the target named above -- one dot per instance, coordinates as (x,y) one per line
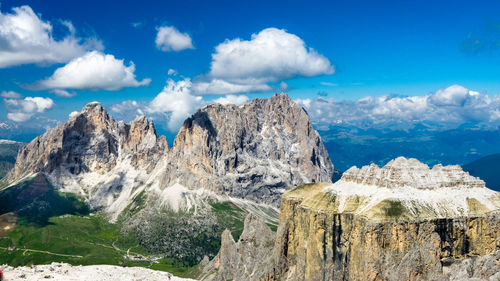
(429,143)
(488,169)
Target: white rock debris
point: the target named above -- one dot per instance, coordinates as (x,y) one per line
(443,191)
(66,272)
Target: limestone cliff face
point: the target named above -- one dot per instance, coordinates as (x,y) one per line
(255,151)
(104,161)
(86,142)
(332,232)
(91,141)
(141,141)
(248,259)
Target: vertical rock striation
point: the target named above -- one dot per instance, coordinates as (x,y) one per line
(91,141)
(248,259)
(255,151)
(344,232)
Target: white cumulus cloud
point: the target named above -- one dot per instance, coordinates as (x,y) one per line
(174,104)
(94,71)
(175,101)
(269,56)
(172,72)
(73,114)
(223,87)
(453,105)
(25,38)
(20,110)
(128,107)
(169,39)
(10,94)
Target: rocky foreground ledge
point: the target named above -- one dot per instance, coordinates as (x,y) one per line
(66,272)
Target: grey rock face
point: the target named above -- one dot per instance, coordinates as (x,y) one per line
(255,151)
(248,259)
(485,268)
(91,141)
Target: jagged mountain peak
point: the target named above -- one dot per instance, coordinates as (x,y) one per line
(403,172)
(247,259)
(256,151)
(94,109)
(411,190)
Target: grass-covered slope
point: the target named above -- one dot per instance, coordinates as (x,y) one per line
(40,225)
(35,201)
(486,168)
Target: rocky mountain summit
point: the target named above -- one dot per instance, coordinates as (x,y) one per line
(403,221)
(95,157)
(255,152)
(402,172)
(413,190)
(91,141)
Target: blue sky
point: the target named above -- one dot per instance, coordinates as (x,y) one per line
(361,48)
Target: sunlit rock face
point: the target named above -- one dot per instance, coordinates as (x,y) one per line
(255,151)
(403,221)
(247,259)
(91,141)
(104,161)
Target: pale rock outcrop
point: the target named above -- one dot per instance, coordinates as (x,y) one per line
(91,141)
(248,259)
(103,161)
(399,222)
(255,151)
(65,272)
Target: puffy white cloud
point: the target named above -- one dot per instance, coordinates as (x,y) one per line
(94,71)
(240,66)
(63,93)
(20,110)
(25,38)
(169,38)
(454,105)
(283,87)
(172,105)
(455,95)
(73,114)
(10,94)
(175,101)
(232,99)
